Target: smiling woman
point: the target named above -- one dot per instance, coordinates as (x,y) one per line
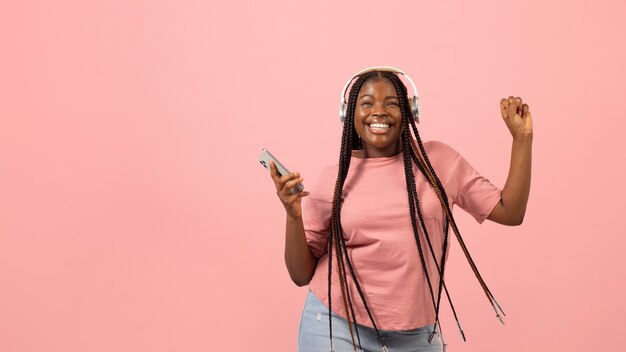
(378,118)
(377,222)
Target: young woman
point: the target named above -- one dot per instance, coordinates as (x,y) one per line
(371,240)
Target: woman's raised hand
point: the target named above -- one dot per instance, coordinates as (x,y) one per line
(517,117)
(284,183)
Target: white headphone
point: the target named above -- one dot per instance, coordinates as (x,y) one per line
(414,101)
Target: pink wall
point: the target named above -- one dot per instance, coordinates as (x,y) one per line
(134,215)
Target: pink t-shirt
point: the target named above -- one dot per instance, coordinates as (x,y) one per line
(377,226)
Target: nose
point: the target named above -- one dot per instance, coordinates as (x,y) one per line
(379,109)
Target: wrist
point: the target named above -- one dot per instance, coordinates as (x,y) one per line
(294,217)
(524,137)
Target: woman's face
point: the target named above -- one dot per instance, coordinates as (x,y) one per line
(377,118)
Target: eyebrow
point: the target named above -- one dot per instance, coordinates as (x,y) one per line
(387,97)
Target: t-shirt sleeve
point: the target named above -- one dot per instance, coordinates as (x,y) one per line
(316,226)
(476,194)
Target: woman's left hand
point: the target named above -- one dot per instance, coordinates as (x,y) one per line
(517,117)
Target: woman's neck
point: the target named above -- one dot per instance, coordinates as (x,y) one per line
(370,152)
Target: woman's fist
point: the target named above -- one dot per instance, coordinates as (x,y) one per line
(517,117)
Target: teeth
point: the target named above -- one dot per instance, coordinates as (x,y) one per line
(379,125)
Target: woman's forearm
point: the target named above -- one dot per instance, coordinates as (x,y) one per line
(299,258)
(517,187)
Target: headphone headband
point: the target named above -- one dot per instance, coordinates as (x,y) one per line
(414,101)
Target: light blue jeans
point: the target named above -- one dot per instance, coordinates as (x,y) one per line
(313,336)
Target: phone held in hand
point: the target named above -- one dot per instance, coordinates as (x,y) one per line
(265,158)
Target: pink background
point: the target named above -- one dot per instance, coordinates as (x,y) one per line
(134,215)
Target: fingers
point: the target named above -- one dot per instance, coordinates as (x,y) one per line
(511,106)
(515,104)
(525,110)
(284,183)
(276,176)
(504,106)
(292,183)
(274,171)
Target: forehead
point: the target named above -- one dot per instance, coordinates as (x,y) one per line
(378,85)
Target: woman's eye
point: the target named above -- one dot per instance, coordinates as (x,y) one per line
(366,103)
(393,103)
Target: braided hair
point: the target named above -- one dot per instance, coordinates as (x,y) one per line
(413,153)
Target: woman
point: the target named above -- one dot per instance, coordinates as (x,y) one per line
(358,238)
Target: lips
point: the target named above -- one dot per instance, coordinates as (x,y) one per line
(379,126)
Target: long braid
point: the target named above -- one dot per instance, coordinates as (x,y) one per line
(413,197)
(441,270)
(336,227)
(330,301)
(350,111)
(448,212)
(349,141)
(413,207)
(345,157)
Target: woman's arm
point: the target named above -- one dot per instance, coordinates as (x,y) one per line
(298,255)
(512,207)
(299,258)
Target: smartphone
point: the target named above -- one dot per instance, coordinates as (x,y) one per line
(265,158)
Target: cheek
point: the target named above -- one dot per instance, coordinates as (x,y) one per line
(358,119)
(399,133)
(358,127)
(359,115)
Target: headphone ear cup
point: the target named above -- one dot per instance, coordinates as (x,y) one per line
(415,109)
(342,112)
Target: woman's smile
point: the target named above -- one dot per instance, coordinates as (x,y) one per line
(379,127)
